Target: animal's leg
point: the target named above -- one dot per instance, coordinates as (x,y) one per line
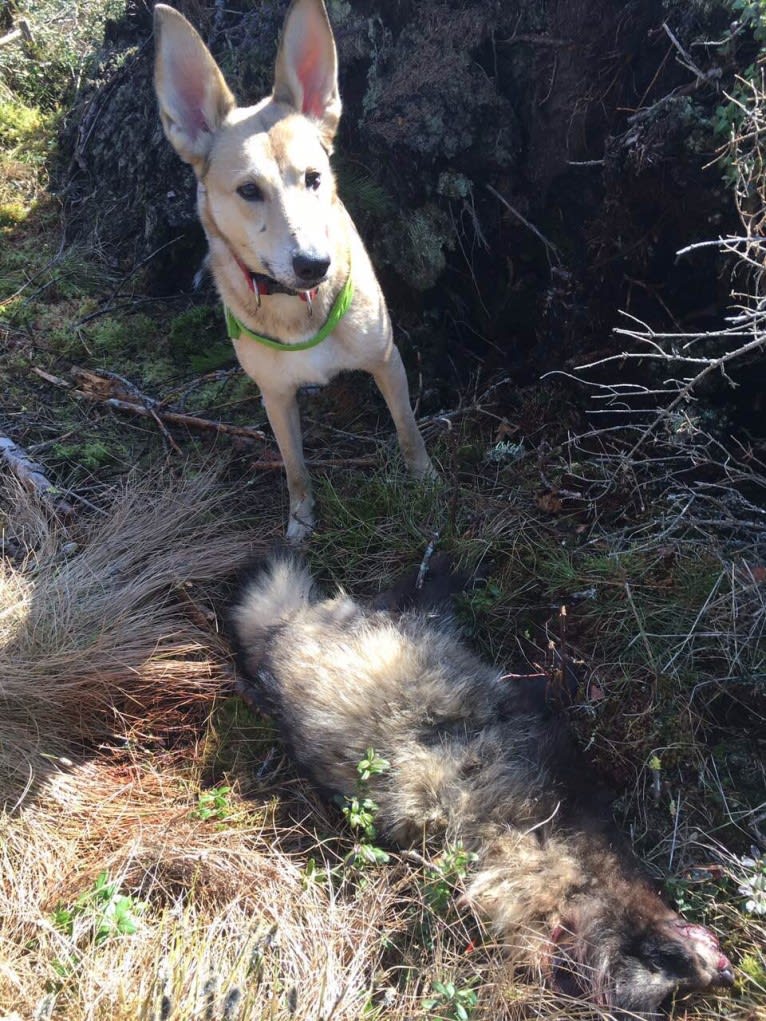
(392,383)
(285,420)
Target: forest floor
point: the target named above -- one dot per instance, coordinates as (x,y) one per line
(167,862)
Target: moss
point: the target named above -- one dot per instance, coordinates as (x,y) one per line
(19,124)
(754,967)
(236,742)
(26,142)
(92,455)
(453,185)
(339,11)
(13,213)
(197,336)
(416,245)
(119,335)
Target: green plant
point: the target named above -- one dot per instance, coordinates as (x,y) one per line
(751,13)
(754,967)
(371,765)
(443,874)
(313,874)
(91,455)
(100,912)
(728,116)
(46,71)
(197,334)
(697,897)
(213,804)
(360,811)
(752,884)
(472,607)
(450,1002)
(383,507)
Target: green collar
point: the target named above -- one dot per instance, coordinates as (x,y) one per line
(340,306)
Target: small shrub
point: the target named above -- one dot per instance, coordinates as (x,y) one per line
(360,811)
(213,804)
(752,883)
(100,913)
(443,874)
(450,1002)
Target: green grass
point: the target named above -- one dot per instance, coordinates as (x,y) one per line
(380,509)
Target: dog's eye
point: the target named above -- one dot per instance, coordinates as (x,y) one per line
(250,192)
(313,179)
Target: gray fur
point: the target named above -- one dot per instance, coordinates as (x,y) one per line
(472,760)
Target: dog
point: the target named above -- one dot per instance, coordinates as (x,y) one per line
(301,298)
(474,759)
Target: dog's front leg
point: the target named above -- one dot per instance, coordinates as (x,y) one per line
(284,416)
(392,383)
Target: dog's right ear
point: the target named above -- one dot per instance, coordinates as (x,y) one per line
(193,96)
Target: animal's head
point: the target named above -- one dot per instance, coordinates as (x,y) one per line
(634,962)
(263,171)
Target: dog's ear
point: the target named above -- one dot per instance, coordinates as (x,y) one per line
(193,96)
(306,74)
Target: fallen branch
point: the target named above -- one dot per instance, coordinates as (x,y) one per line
(31,475)
(173,417)
(102,387)
(22,32)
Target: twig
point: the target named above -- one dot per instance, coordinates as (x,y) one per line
(130,303)
(687,61)
(165,433)
(50,378)
(719,243)
(535,40)
(692,384)
(675,831)
(549,246)
(423,569)
(135,268)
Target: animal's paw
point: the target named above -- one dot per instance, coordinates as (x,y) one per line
(422,468)
(301,525)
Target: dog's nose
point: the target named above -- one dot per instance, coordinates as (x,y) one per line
(310,268)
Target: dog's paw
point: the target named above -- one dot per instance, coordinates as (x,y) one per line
(423,469)
(300,526)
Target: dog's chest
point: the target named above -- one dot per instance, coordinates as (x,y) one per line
(287,370)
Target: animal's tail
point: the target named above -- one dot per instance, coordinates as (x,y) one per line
(268,599)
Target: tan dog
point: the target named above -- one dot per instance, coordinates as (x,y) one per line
(301,297)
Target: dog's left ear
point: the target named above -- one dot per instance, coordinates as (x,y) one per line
(306,73)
